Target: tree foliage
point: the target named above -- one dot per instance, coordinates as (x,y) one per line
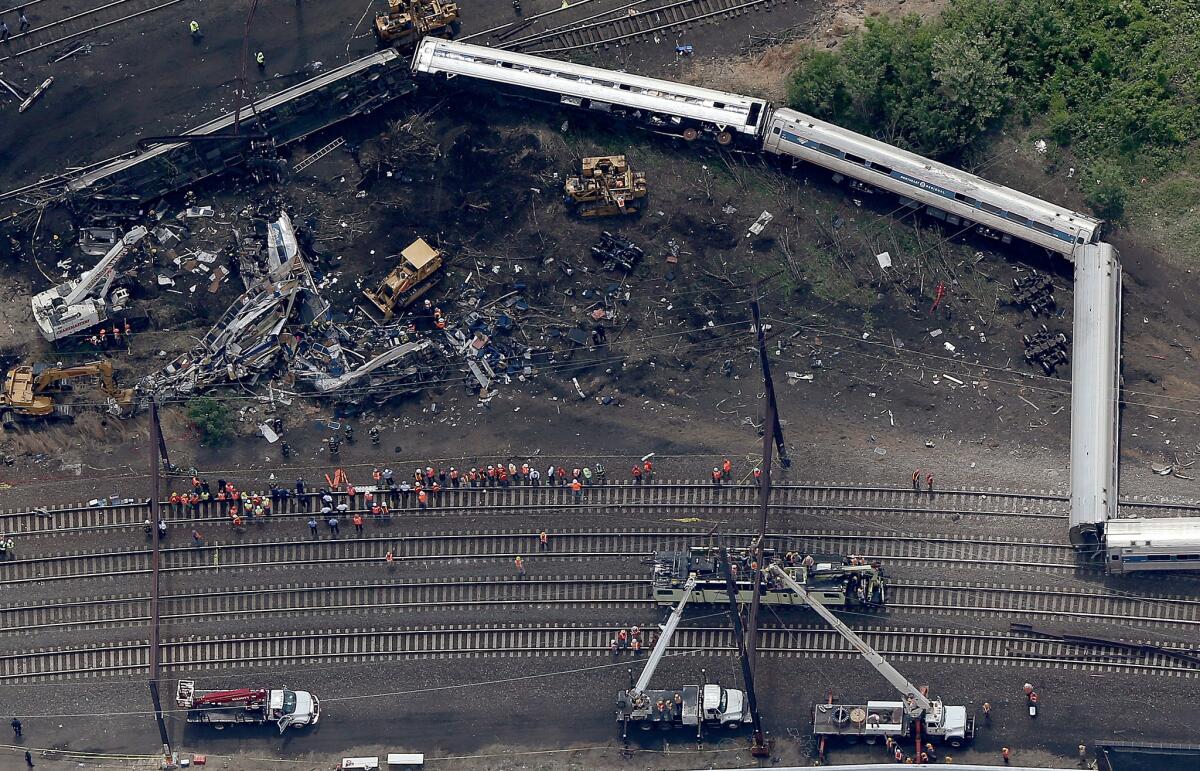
(212,419)
(1116,80)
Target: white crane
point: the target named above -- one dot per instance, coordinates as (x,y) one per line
(77,305)
(915,702)
(660,648)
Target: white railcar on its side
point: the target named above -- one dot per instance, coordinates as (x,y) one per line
(1160,543)
(675,108)
(950,194)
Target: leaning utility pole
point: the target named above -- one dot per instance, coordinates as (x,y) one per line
(760,747)
(771,418)
(155,516)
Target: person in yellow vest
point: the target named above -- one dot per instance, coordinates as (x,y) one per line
(261,60)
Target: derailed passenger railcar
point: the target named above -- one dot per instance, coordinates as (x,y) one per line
(957,197)
(673,108)
(1159,543)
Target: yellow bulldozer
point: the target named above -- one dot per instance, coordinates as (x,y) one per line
(413,277)
(605,187)
(407,21)
(30,392)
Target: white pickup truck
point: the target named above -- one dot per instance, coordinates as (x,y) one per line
(700,705)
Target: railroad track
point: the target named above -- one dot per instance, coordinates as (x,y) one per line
(660,496)
(502,545)
(366,646)
(627,592)
(633,21)
(103,14)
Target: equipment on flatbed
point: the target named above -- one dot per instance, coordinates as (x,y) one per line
(407,21)
(29,391)
(74,306)
(409,280)
(698,705)
(830,580)
(605,187)
(878,719)
(248,705)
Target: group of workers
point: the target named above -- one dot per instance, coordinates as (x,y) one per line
(8,547)
(927,754)
(22,22)
(631,640)
(120,335)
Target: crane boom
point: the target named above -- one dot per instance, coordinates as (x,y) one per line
(104,270)
(914,699)
(665,638)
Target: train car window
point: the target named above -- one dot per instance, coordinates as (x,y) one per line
(987,207)
(855,159)
(829,150)
(1042,227)
(718,105)
(965,198)
(1018,218)
(1159,558)
(624,86)
(880,167)
(752,118)
(1188,557)
(506,65)
(775,130)
(1116,558)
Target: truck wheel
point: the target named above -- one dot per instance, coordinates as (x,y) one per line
(955,743)
(6,419)
(732,725)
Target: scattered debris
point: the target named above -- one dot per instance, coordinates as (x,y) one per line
(37,92)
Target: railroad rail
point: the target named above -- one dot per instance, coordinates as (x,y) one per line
(366,646)
(993,555)
(632,21)
(591,592)
(803,496)
(99,17)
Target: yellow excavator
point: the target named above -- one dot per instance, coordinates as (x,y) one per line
(30,392)
(407,21)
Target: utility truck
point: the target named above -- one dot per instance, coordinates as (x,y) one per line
(688,705)
(74,306)
(915,715)
(257,706)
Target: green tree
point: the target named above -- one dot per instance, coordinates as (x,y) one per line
(212,419)
(1104,185)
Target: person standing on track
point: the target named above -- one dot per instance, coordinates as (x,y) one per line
(519,564)
(312,525)
(543,541)
(929,482)
(917,480)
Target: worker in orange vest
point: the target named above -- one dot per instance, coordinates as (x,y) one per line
(454,477)
(561,473)
(577,489)
(1005,754)
(917,479)
(357,519)
(502,473)
(929,482)
(648,470)
(422,499)
(636,471)
(716,477)
(519,564)
(757,476)
(726,469)
(376,475)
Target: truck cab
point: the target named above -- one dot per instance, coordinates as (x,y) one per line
(294,708)
(951,724)
(726,706)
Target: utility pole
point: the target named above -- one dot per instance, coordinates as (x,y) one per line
(770,418)
(760,746)
(155,516)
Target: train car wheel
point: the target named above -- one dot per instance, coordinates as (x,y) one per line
(724,138)
(690,134)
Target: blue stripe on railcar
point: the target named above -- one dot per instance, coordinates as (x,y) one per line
(923,185)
